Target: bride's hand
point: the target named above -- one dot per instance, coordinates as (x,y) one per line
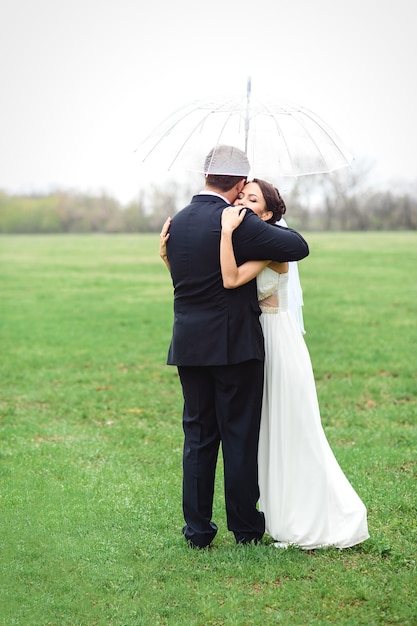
(164,236)
(232,216)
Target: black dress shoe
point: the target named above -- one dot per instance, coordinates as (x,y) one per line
(202,538)
(245,542)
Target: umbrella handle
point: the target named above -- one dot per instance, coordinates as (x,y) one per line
(248,93)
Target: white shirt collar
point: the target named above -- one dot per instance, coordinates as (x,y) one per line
(213,193)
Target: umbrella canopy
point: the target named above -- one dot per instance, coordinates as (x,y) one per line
(279,138)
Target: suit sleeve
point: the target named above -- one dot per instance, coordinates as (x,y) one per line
(256,240)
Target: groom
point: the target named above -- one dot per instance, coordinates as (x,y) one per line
(217,346)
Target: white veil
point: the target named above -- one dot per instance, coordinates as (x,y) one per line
(295,293)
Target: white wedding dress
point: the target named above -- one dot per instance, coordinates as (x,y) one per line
(305,496)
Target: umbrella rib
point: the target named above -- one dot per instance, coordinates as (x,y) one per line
(164,121)
(322,125)
(168,131)
(267,108)
(187,111)
(200,124)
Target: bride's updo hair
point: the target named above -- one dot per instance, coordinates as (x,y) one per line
(273,200)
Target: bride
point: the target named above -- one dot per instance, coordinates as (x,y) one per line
(305,496)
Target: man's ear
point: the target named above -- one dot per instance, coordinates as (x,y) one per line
(240,185)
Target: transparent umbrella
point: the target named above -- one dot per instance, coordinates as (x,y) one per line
(279,138)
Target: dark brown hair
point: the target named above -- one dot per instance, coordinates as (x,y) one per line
(222,182)
(273,200)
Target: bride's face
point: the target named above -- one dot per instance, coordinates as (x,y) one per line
(251,196)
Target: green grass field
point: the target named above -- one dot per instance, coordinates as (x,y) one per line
(91,442)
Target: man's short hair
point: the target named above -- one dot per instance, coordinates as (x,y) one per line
(223,183)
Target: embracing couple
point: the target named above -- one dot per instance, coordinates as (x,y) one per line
(245,371)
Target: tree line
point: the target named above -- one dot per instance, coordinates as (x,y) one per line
(327,202)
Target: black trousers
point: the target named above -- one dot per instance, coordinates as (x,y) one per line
(222,404)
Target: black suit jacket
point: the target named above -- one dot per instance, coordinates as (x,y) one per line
(214,325)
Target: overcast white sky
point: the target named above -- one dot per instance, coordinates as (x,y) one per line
(83,81)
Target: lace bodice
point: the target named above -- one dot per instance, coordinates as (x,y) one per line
(272,291)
